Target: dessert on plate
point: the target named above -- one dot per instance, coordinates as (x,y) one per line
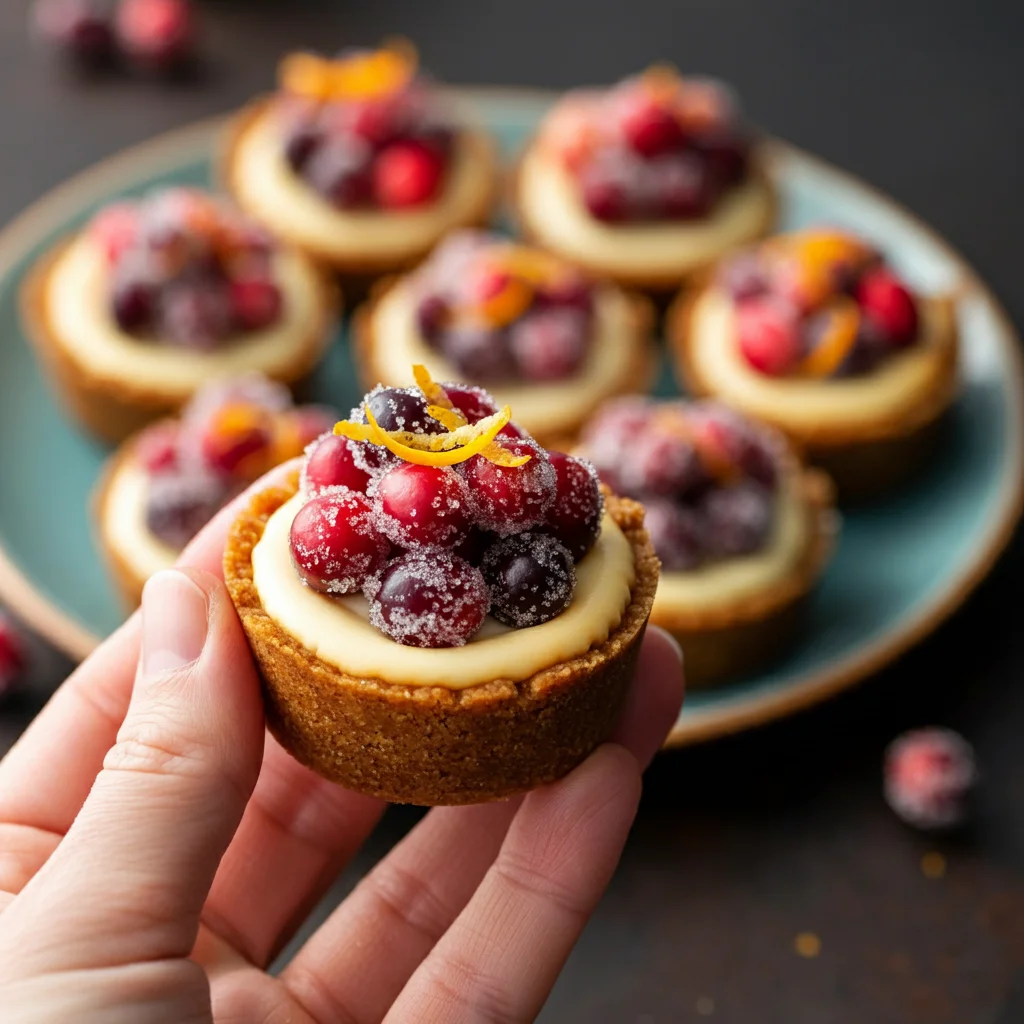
(443,612)
(646,181)
(156,296)
(165,483)
(539,333)
(742,529)
(362,160)
(815,333)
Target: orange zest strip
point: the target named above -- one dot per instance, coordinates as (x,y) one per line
(432,391)
(360,77)
(839,338)
(450,419)
(451,457)
(500,456)
(353,431)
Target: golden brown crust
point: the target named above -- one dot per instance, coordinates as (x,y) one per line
(432,745)
(111,407)
(863,459)
(637,378)
(355,271)
(653,282)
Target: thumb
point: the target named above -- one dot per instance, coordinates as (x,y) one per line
(129,880)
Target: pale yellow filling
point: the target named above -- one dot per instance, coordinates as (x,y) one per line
(78,311)
(551,206)
(270,190)
(123,523)
(801,403)
(544,408)
(338,629)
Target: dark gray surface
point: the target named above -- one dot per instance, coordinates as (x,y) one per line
(742,844)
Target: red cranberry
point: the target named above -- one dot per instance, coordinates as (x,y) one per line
(663,464)
(331,463)
(571,291)
(406,174)
(80,28)
(608,438)
(549,344)
(677,533)
(339,169)
(12,654)
(575,516)
(478,352)
(179,503)
(256,304)
(885,300)
(604,195)
(421,505)
(531,579)
(769,335)
(402,409)
(474,403)
(156,33)
(157,447)
(487,282)
(115,229)
(194,315)
(373,121)
(929,777)
(513,431)
(649,128)
(729,438)
(743,276)
(431,316)
(509,499)
(233,436)
(428,598)
(132,302)
(737,519)
(335,547)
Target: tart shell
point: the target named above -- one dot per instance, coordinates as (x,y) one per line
(113,408)
(432,745)
(638,377)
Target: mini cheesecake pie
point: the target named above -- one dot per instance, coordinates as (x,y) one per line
(156,297)
(742,529)
(165,483)
(361,161)
(539,333)
(644,182)
(442,612)
(814,333)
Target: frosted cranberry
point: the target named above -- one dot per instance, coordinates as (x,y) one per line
(157,447)
(549,344)
(725,436)
(115,229)
(509,499)
(406,174)
(402,409)
(890,305)
(575,516)
(930,775)
(334,544)
(428,598)
(132,303)
(301,140)
(661,463)
(194,315)
(256,304)
(157,33)
(677,533)
(374,122)
(570,292)
(179,503)
(603,194)
(420,505)
(474,403)
(478,352)
(431,316)
(743,277)
(339,169)
(513,431)
(531,579)
(769,337)
(609,436)
(331,463)
(487,282)
(737,519)
(682,187)
(13,655)
(649,128)
(79,28)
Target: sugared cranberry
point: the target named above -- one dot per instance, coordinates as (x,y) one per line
(474,403)
(195,315)
(402,409)
(339,169)
(479,352)
(82,29)
(723,437)
(331,463)
(115,229)
(509,499)
(300,142)
(132,302)
(575,516)
(374,121)
(486,282)
(531,579)
(406,174)
(513,431)
(768,331)
(549,344)
(256,304)
(570,291)
(603,192)
(662,463)
(884,300)
(743,276)
(157,447)
(610,435)
(428,598)
(334,544)
(12,654)
(737,519)
(158,34)
(649,128)
(930,775)
(682,187)
(233,436)
(677,533)
(181,502)
(421,505)
(431,315)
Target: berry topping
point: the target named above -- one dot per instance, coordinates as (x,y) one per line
(181,501)
(81,29)
(768,331)
(649,127)
(509,499)
(737,520)
(255,304)
(531,579)
(677,533)
(930,775)
(13,656)
(889,305)
(428,599)
(473,403)
(422,505)
(334,545)
(402,409)
(575,516)
(234,435)
(331,462)
(158,34)
(406,174)
(158,447)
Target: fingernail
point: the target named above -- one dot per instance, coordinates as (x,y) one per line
(175,616)
(672,642)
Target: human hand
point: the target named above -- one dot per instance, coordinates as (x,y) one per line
(158,848)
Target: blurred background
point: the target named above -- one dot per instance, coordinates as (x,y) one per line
(748,848)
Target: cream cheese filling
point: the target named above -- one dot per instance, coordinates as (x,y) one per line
(123,523)
(550,204)
(805,404)
(77,309)
(271,191)
(720,584)
(544,408)
(338,630)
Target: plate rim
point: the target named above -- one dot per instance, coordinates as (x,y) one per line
(65,632)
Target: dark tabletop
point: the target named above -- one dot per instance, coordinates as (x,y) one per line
(743,844)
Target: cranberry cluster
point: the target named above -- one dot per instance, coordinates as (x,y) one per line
(186,271)
(707,476)
(654,147)
(501,312)
(835,315)
(229,435)
(436,548)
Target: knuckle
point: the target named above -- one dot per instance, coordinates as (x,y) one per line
(525,877)
(476,993)
(150,744)
(410,898)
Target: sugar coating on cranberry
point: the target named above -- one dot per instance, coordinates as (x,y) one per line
(334,544)
(737,520)
(677,533)
(180,502)
(474,403)
(331,462)
(531,577)
(428,598)
(13,655)
(402,409)
(510,499)
(575,515)
(930,776)
(416,506)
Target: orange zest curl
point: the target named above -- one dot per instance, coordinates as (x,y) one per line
(839,338)
(362,76)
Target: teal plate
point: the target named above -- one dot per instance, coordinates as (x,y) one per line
(901,567)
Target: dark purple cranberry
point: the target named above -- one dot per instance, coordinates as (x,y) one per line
(428,598)
(549,344)
(402,409)
(677,533)
(738,519)
(531,579)
(868,349)
(300,142)
(575,517)
(132,304)
(683,187)
(474,545)
(431,314)
(181,502)
(339,169)
(478,352)
(195,316)
(725,153)
(661,463)
(82,29)
(743,276)
(570,292)
(604,192)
